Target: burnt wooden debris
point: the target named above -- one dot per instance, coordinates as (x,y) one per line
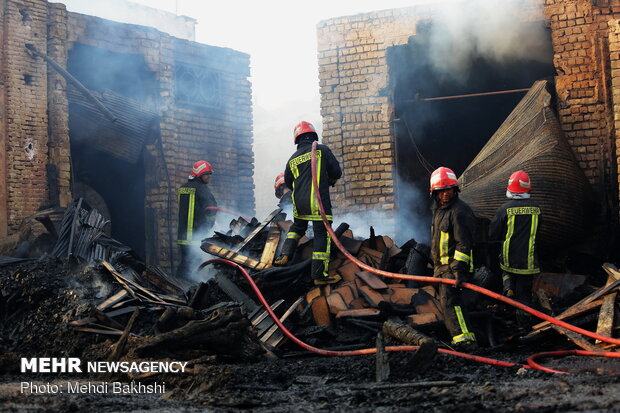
(148,313)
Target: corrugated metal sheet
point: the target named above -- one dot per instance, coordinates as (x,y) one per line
(124,138)
(531,139)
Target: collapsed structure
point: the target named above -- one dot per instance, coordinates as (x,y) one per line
(374,123)
(116,114)
(406,90)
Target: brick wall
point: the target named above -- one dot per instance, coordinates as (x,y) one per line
(357,110)
(356,113)
(579,31)
(221,135)
(220,132)
(24,111)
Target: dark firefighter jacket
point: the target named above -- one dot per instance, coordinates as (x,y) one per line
(298,177)
(516,224)
(286,201)
(452,240)
(194,218)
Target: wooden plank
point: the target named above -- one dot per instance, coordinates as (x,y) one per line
(122,311)
(234,292)
(577,339)
(266,322)
(269,335)
(346,292)
(120,344)
(131,286)
(422,319)
(571,312)
(348,270)
(605,323)
(259,318)
(232,256)
(112,300)
(373,297)
(372,280)
(320,311)
(426,303)
(336,303)
(350,244)
(361,313)
(271,245)
(359,303)
(312,294)
(258,229)
(403,296)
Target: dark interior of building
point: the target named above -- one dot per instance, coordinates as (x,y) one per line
(451,131)
(106,156)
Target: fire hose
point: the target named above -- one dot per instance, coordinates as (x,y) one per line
(228,211)
(420,278)
(359,352)
(531,361)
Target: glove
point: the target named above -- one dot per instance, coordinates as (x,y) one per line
(460,278)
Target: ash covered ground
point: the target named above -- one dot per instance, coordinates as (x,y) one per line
(39,299)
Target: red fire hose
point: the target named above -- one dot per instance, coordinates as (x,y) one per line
(359,352)
(531,360)
(470,286)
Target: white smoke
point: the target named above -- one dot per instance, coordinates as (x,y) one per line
(491,29)
(411,221)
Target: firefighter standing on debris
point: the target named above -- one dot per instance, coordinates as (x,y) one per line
(516,225)
(451,250)
(197,209)
(284,194)
(298,178)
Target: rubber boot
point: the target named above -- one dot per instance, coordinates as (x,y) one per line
(319,274)
(288,249)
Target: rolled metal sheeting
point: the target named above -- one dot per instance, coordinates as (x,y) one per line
(531,139)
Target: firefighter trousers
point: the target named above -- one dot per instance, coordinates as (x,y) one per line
(455,314)
(184,268)
(520,286)
(321,245)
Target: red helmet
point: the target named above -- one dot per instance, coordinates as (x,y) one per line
(519,182)
(443,178)
(279,181)
(304,127)
(200,168)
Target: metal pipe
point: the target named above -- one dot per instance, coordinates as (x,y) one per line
(70,78)
(499,92)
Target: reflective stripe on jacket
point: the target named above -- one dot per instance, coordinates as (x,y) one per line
(194,219)
(452,240)
(516,224)
(298,177)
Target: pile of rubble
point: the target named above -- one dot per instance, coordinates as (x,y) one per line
(91,296)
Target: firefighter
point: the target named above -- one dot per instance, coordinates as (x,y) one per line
(284,194)
(298,178)
(197,209)
(452,240)
(515,225)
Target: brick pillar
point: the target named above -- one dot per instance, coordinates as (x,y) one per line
(25,82)
(58,105)
(3,119)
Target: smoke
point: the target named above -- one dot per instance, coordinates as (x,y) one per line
(491,29)
(197,256)
(411,220)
